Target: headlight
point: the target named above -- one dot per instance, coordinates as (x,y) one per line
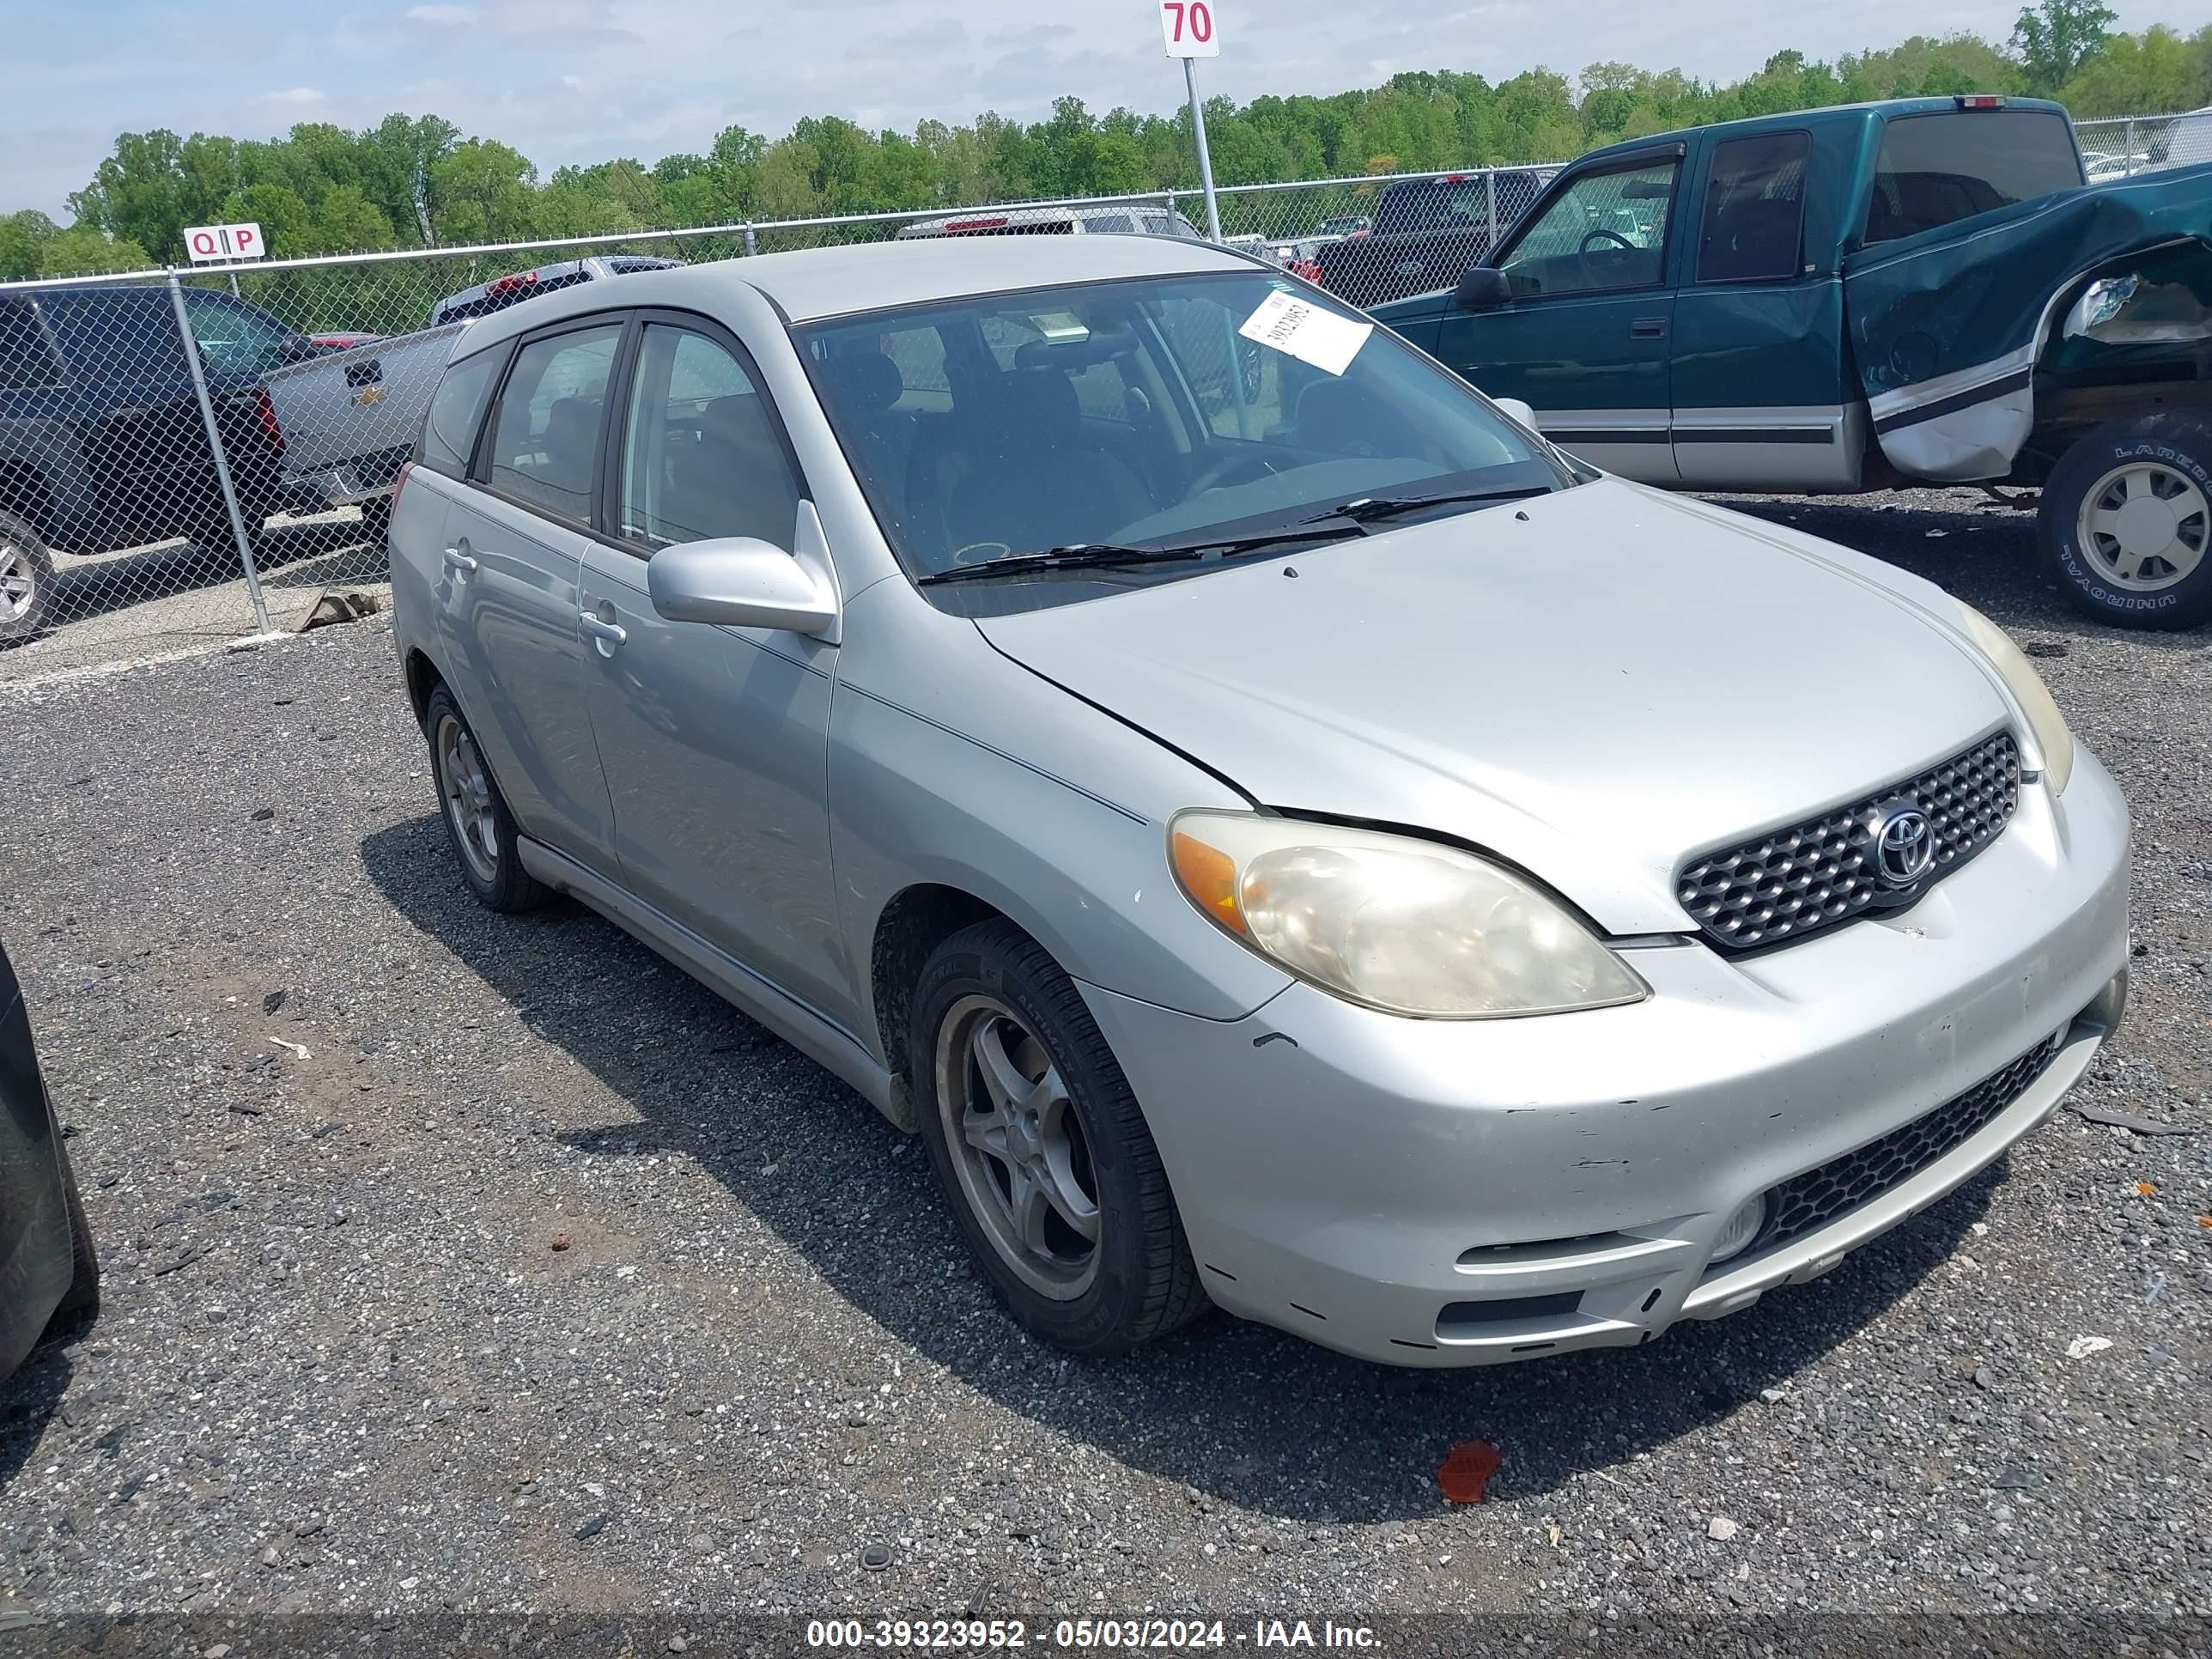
(1402,925)
(2044,722)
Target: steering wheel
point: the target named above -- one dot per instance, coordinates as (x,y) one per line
(1600,233)
(1233,469)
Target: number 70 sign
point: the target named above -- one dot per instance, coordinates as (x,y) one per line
(1187,28)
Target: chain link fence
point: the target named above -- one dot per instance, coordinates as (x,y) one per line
(2115,146)
(195,455)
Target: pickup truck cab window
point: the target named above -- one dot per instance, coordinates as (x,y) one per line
(1754,214)
(1938,169)
(1605,231)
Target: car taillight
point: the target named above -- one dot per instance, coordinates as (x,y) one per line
(265,413)
(399,482)
(957,225)
(1979,101)
(509,284)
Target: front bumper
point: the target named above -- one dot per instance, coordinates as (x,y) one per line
(1444,1192)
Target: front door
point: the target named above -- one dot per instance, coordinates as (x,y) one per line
(508,590)
(1586,338)
(715,740)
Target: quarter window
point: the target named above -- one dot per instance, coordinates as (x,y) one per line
(1605,231)
(545,440)
(449,430)
(703,456)
(25,359)
(1754,212)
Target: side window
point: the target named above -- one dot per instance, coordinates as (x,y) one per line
(702,453)
(25,359)
(232,337)
(1606,231)
(545,438)
(457,408)
(1754,217)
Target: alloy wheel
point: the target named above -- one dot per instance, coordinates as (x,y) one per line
(466,787)
(19,583)
(1018,1147)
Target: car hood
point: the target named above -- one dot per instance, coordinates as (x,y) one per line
(1592,685)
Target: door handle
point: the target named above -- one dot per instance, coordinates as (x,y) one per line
(457,559)
(1647,328)
(609,635)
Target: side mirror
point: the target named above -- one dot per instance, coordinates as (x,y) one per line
(1483,288)
(1513,410)
(738,581)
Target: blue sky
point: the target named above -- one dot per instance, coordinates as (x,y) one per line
(581,80)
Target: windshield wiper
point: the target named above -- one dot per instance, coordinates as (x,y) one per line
(1093,554)
(1363,507)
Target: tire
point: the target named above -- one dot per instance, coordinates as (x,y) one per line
(2126,522)
(1132,1278)
(81,1300)
(478,823)
(376,520)
(27,581)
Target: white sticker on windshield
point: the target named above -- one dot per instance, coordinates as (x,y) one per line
(1303,329)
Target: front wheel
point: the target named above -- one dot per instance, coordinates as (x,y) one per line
(1040,1144)
(2126,521)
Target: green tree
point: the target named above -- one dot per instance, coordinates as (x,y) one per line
(23,239)
(83,251)
(2056,37)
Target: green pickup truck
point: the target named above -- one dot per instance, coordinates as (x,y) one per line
(1923,291)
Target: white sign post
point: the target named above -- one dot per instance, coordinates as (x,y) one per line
(208,244)
(1189,30)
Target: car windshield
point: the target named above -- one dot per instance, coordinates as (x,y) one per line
(1141,414)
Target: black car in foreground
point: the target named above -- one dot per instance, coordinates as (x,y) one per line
(48,1275)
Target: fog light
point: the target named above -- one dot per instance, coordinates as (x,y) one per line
(1743,1227)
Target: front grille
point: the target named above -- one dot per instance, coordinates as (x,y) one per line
(1813,875)
(1812,1200)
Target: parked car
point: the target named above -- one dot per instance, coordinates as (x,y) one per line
(49,1269)
(500,292)
(102,445)
(2187,141)
(1349,224)
(349,417)
(1306,865)
(1426,232)
(1111,219)
(1923,291)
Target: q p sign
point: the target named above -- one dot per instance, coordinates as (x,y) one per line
(1187,28)
(211,242)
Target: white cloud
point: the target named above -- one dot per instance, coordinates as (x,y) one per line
(446,16)
(295,97)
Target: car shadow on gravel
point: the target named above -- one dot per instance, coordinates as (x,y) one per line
(1238,1413)
(29,1402)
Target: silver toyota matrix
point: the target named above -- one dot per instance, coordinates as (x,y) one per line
(1287,837)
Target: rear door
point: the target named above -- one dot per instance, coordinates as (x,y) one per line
(1586,340)
(1762,395)
(513,564)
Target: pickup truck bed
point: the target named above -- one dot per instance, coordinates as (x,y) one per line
(349,419)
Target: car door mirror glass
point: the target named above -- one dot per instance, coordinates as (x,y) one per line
(739,581)
(1482,288)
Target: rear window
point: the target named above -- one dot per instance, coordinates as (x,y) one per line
(1754,211)
(1433,205)
(449,428)
(1936,170)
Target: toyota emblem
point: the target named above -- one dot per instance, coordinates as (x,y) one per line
(1903,844)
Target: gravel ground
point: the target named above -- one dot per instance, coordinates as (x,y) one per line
(543,1279)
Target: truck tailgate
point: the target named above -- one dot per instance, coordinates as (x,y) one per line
(355,406)
(1946,327)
